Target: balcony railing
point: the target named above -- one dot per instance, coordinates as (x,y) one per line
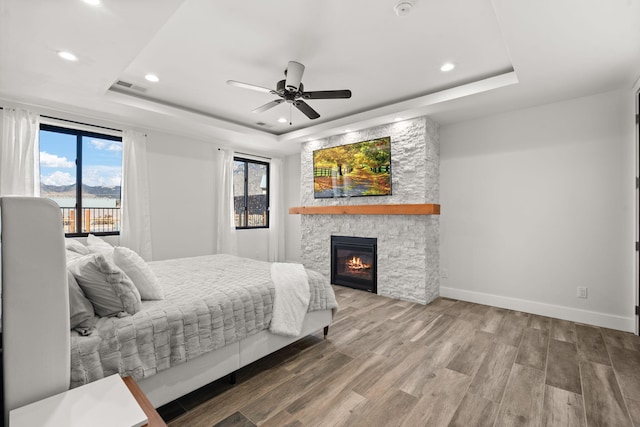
(253,220)
(94,220)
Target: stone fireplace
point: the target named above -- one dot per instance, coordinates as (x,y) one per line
(408,257)
(354,262)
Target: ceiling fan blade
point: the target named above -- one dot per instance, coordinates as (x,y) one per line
(327,94)
(249,86)
(306,109)
(294,73)
(267,106)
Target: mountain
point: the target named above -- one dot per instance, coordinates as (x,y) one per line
(88,191)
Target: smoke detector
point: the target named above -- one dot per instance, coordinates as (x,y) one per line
(403,8)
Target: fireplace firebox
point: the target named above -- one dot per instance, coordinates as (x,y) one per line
(353,262)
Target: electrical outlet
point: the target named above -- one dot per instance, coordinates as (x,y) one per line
(582,292)
(444,273)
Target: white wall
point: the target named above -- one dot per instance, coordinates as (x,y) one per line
(537,202)
(181,196)
(253,243)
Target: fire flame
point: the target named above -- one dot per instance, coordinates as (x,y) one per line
(356,263)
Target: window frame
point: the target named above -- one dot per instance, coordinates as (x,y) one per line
(246,162)
(79,134)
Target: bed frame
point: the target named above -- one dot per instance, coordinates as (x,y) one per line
(35,317)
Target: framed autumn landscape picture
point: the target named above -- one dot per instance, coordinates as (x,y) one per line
(353,170)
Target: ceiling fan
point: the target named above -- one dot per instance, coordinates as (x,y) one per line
(291,90)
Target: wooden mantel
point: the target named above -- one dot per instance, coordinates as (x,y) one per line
(411,209)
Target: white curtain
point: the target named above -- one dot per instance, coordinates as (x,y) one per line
(20,153)
(135,232)
(226,242)
(276,212)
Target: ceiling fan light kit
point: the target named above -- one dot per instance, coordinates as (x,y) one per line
(291,90)
(293,73)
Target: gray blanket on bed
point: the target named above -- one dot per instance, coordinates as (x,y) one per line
(211,301)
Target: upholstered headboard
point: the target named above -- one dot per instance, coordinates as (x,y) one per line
(35,301)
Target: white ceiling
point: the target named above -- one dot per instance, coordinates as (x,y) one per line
(508,54)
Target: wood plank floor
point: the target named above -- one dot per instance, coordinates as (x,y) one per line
(450,363)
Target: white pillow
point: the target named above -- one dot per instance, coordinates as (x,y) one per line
(96,245)
(76,246)
(93,240)
(105,285)
(139,271)
(107,252)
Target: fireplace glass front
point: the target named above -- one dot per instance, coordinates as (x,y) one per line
(353,262)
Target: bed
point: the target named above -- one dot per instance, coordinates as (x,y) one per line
(35,316)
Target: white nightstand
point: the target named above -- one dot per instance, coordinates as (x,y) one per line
(108,402)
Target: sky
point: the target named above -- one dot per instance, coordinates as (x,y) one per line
(102,160)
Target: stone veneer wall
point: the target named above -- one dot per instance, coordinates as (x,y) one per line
(408,245)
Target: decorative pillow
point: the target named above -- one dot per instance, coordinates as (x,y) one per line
(107,252)
(75,246)
(139,272)
(93,240)
(96,245)
(82,314)
(107,287)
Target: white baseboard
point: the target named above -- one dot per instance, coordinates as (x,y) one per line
(627,324)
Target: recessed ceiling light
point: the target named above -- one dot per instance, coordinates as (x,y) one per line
(152,78)
(282,120)
(447,66)
(403,8)
(67,55)
(92,2)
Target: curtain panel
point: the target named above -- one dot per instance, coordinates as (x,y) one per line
(276,212)
(226,242)
(20,153)
(135,232)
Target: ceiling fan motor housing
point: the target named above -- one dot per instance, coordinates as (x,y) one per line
(286,93)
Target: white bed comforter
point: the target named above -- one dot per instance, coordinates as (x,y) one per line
(210,301)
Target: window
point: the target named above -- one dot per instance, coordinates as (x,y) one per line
(82,172)
(251,193)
